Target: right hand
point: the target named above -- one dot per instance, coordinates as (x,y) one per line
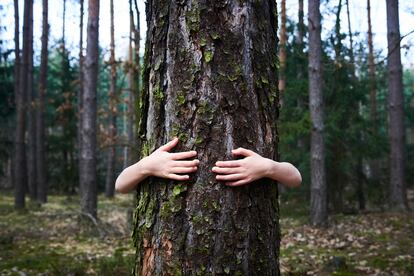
(162,163)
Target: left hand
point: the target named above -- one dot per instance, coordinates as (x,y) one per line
(243,171)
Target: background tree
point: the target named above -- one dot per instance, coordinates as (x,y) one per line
(398,189)
(20,160)
(318,206)
(41,171)
(282,51)
(110,170)
(87,164)
(218,91)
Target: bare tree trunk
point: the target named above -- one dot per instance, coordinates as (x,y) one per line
(16,75)
(87,168)
(131,97)
(110,169)
(31,123)
(359,163)
(20,160)
(40,114)
(211,80)
(318,212)
(398,188)
(374,164)
(282,52)
(80,88)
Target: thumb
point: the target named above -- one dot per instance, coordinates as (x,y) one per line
(170,145)
(242,151)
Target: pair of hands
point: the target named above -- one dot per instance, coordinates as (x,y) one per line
(162,163)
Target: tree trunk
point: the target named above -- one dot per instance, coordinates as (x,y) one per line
(87,162)
(16,76)
(398,193)
(31,122)
(318,212)
(210,79)
(374,164)
(20,160)
(110,169)
(80,88)
(131,97)
(40,114)
(282,52)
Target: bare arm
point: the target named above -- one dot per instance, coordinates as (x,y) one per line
(160,163)
(253,167)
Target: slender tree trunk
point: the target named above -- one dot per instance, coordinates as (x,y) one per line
(110,169)
(40,114)
(87,169)
(131,97)
(20,160)
(374,164)
(80,88)
(301,67)
(398,189)
(358,163)
(282,51)
(211,80)
(318,212)
(31,123)
(16,74)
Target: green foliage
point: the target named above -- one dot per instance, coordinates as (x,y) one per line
(7,112)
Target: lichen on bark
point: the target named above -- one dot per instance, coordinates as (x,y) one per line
(202,64)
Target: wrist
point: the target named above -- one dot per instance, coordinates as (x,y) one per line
(143,168)
(271,167)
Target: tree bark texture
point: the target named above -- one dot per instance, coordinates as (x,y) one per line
(87,168)
(20,160)
(110,169)
(210,79)
(318,212)
(41,194)
(398,189)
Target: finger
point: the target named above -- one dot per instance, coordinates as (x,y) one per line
(170,145)
(183,169)
(237,183)
(243,152)
(228,164)
(229,177)
(192,163)
(220,170)
(183,155)
(178,177)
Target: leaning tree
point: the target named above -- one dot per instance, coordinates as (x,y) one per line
(210,78)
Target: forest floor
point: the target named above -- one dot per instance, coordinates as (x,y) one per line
(50,240)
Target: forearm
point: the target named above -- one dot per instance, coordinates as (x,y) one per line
(285,173)
(131,177)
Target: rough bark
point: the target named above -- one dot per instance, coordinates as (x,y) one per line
(41,194)
(87,162)
(210,79)
(282,51)
(318,212)
(20,160)
(398,189)
(31,122)
(110,169)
